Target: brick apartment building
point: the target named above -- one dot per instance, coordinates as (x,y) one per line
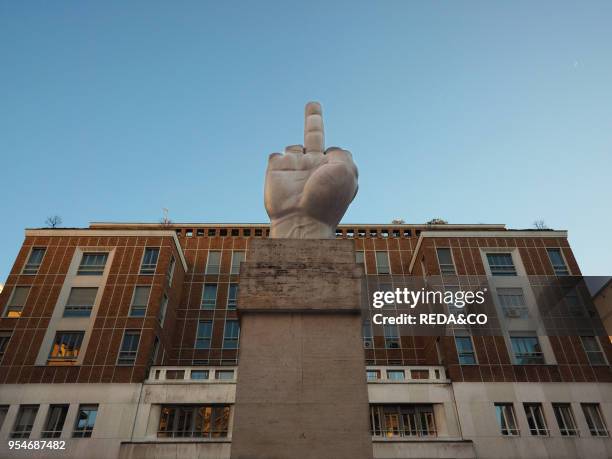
(123,341)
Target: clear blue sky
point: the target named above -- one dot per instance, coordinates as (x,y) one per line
(476,112)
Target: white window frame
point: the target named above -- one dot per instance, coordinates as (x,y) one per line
(473,349)
(440,264)
(601,351)
(502,409)
(209,306)
(134,352)
(535,410)
(235,270)
(171,268)
(25,266)
(92,273)
(146,306)
(376,252)
(566,266)
(144,252)
(588,416)
(209,266)
(566,413)
(5,314)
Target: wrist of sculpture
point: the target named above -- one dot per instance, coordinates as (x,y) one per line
(300,226)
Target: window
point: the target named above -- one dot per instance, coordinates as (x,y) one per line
(200,232)
(419,374)
(204,334)
(535,419)
(36,256)
(24,421)
(396,375)
(235,232)
(199,374)
(66,346)
(501,264)
(258,233)
(237,258)
(391,337)
(162,309)
(573,302)
(213,263)
(373,375)
(527,350)
(593,350)
(85,421)
(129,348)
(224,375)
(194,421)
(3,412)
(170,272)
(209,296)
(92,264)
(558,263)
(246,232)
(232,296)
(15,306)
(594,419)
(402,421)
(80,301)
(359,258)
(512,302)
(231,334)
(445,260)
(565,419)
(382,263)
(140,300)
(212,232)
(149,260)
(368,340)
(5,337)
(56,416)
(506,419)
(175,374)
(465,350)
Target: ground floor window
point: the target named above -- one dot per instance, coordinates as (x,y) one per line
(405,420)
(201,421)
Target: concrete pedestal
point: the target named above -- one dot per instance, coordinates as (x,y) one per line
(302,390)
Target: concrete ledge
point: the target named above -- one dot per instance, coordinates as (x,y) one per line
(423,449)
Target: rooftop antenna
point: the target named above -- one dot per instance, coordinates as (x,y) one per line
(165,220)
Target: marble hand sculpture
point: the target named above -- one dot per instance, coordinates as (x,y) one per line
(308,189)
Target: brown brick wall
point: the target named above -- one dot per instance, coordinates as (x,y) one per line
(18,364)
(184,312)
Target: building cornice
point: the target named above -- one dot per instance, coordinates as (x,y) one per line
(422,226)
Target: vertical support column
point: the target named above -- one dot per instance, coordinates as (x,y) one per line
(302,390)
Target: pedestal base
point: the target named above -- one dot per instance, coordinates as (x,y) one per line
(301,390)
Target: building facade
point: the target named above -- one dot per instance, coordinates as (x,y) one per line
(123,340)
